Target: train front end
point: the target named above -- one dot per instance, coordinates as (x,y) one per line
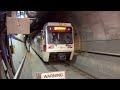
(59,41)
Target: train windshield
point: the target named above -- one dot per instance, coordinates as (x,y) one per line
(60,37)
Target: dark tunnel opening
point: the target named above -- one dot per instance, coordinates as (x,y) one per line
(48,16)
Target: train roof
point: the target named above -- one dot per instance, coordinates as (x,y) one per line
(57,24)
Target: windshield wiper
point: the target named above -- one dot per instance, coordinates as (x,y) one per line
(55,43)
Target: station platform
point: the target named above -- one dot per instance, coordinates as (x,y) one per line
(32,64)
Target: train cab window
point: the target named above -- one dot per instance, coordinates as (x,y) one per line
(55,37)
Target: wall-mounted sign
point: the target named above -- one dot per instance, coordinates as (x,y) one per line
(18,25)
(51,75)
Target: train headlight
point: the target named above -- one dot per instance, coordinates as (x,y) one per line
(50,46)
(69,46)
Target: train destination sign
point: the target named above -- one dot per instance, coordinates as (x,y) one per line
(51,75)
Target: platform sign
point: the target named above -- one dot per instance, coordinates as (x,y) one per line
(18,25)
(51,75)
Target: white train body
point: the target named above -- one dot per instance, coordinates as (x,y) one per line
(55,42)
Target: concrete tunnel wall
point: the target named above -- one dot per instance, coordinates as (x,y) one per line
(99,32)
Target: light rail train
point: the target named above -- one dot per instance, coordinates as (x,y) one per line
(55,42)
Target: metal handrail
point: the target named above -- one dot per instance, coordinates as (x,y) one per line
(16,38)
(20,68)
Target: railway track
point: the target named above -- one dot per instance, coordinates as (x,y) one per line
(72,72)
(50,67)
(82,72)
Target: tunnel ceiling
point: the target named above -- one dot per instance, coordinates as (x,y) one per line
(48,16)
